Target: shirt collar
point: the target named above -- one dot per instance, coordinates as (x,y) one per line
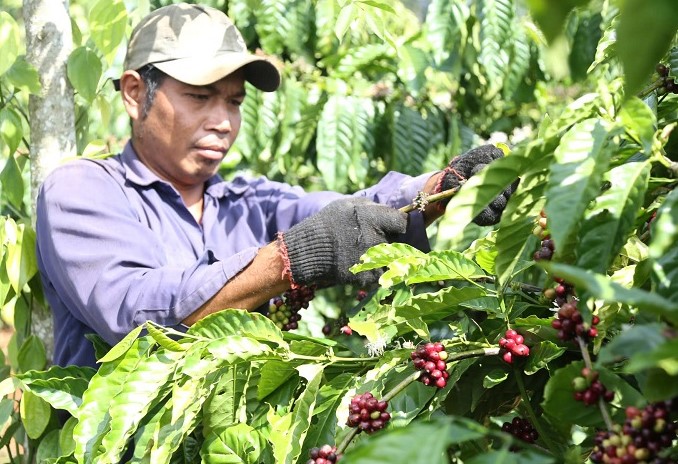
(139,174)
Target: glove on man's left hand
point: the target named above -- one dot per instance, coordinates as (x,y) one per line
(464,166)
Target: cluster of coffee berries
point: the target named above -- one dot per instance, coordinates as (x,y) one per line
(561,293)
(570,324)
(646,433)
(669,85)
(546,249)
(521,429)
(588,389)
(326,454)
(361,295)
(430,359)
(367,413)
(512,344)
(284,311)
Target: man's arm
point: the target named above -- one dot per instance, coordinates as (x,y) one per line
(260,281)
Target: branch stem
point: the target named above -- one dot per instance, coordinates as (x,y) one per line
(418,204)
(530,411)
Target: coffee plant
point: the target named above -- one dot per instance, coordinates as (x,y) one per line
(550,338)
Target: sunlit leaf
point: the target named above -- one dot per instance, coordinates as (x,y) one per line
(108,25)
(84,72)
(582,159)
(9,41)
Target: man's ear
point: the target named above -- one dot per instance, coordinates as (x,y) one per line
(132,89)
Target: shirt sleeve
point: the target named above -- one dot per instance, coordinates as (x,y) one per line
(106,267)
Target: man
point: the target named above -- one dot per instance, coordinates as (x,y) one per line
(155,234)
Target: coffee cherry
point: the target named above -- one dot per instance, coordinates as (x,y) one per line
(521,429)
(284,311)
(512,345)
(367,413)
(430,359)
(643,437)
(569,322)
(324,455)
(662,69)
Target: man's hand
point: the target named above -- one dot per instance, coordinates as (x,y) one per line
(321,248)
(464,166)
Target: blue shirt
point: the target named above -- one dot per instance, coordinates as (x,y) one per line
(116,245)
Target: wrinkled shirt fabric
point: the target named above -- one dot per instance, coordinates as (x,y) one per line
(116,245)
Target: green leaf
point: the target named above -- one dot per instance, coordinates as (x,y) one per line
(640,122)
(35,413)
(324,422)
(234,348)
(107,383)
(441,303)
(222,409)
(344,20)
(656,22)
(238,322)
(582,159)
(61,387)
(411,137)
(517,220)
(239,443)
(162,339)
(496,377)
(612,218)
(181,415)
(345,136)
(12,182)
(445,26)
(32,355)
(108,25)
(540,356)
(406,444)
(657,385)
(100,345)
(664,230)
(84,71)
(496,22)
(122,346)
(66,442)
(273,375)
(550,15)
(560,405)
(601,287)
(21,258)
(24,76)
(141,388)
(10,40)
(48,447)
(11,132)
(287,435)
(383,254)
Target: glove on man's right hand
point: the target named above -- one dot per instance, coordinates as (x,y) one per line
(470,163)
(321,248)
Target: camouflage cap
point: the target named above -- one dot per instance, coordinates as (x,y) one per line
(197,45)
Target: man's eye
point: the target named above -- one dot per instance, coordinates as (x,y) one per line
(237,102)
(198,96)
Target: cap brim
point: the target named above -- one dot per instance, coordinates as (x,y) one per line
(259,72)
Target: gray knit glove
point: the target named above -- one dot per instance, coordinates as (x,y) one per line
(464,166)
(321,248)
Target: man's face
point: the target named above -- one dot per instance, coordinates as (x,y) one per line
(188,129)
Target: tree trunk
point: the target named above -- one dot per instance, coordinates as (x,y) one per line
(49,42)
